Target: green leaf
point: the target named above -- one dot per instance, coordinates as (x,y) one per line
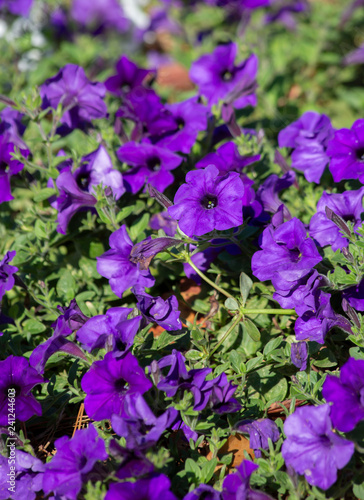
(66,285)
(166,339)
(139,226)
(124,212)
(358,490)
(250,328)
(245,284)
(96,249)
(44,194)
(208,470)
(194,355)
(231,304)
(33,326)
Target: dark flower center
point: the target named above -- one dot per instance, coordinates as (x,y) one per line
(180,122)
(82,462)
(360,154)
(209,201)
(17,389)
(295,255)
(83,181)
(154,163)
(125,87)
(3,166)
(226,75)
(349,218)
(119,385)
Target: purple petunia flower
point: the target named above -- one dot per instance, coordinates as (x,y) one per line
(17,375)
(346,152)
(355,56)
(221,398)
(138,424)
(71,200)
(8,166)
(128,77)
(346,395)
(155,487)
(236,486)
(218,78)
(267,193)
(12,128)
(304,294)
(208,201)
(165,222)
(309,137)
(299,355)
(108,381)
(99,14)
(75,458)
(154,309)
(118,268)
(28,476)
(348,205)
(290,254)
(7,279)
(315,324)
(227,159)
(355,296)
(151,164)
(259,431)
(77,188)
(82,100)
(311,447)
(284,10)
(71,319)
(145,108)
(203,492)
(190,118)
(17,7)
(112,329)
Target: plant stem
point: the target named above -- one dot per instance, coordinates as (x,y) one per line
(236,322)
(204,277)
(285,312)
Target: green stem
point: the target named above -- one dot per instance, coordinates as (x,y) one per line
(236,322)
(210,282)
(285,312)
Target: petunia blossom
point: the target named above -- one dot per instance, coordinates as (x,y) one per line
(346,393)
(312,448)
(208,201)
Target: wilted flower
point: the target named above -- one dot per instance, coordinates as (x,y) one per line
(81,99)
(151,164)
(113,328)
(290,254)
(154,309)
(309,137)
(299,355)
(108,381)
(346,395)
(348,205)
(117,266)
(217,76)
(138,424)
(18,376)
(75,458)
(259,431)
(311,447)
(208,201)
(143,252)
(7,271)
